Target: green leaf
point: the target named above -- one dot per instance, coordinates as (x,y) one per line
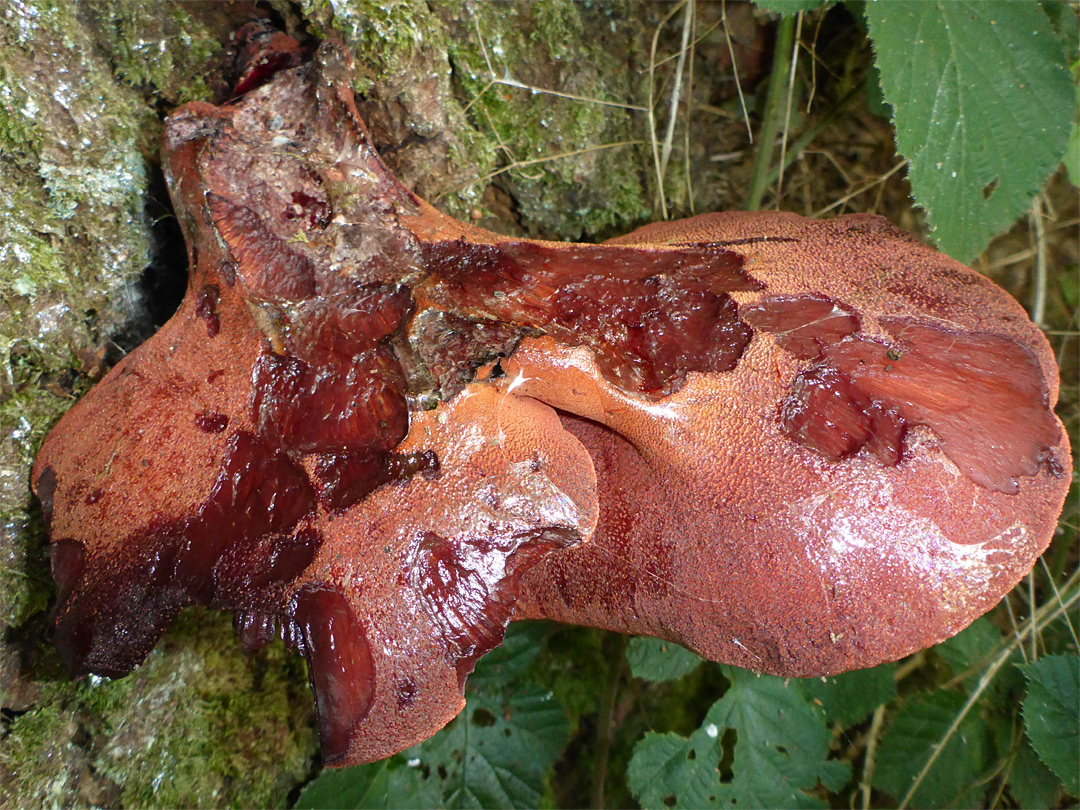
(1051,712)
(917,730)
(520,646)
(1072,156)
(391,783)
(969,648)
(983,104)
(847,699)
(657,660)
(1031,783)
(496,753)
(790,6)
(781,749)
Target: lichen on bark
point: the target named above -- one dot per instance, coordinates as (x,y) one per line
(82,92)
(564,168)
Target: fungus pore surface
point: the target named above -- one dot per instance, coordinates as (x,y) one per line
(796,446)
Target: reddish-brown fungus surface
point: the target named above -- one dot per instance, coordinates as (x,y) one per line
(797,446)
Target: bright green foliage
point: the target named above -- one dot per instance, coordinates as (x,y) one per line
(781,749)
(496,753)
(955,779)
(983,105)
(1052,715)
(849,698)
(654,659)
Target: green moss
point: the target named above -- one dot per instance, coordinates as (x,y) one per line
(161,48)
(33,759)
(25,585)
(401,51)
(73,238)
(72,229)
(390,37)
(405,51)
(568,48)
(203,725)
(200,724)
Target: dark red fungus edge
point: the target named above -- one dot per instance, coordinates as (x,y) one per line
(649,315)
(340,665)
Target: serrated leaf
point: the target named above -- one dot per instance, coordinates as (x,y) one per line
(848,699)
(1031,783)
(495,754)
(917,730)
(654,659)
(1051,712)
(781,750)
(983,105)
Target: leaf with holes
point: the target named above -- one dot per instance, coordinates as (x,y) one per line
(654,659)
(983,105)
(1051,710)
(496,753)
(954,780)
(780,748)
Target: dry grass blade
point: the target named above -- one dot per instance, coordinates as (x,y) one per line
(735,73)
(652,109)
(861,189)
(871,754)
(676,90)
(787,113)
(1048,613)
(518,164)
(1038,306)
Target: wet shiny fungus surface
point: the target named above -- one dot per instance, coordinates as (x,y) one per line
(381,435)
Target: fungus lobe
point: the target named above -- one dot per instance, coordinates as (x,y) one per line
(382,434)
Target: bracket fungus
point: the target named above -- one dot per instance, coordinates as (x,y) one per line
(798,446)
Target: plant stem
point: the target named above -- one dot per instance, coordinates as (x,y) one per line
(804,140)
(607,714)
(770,123)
